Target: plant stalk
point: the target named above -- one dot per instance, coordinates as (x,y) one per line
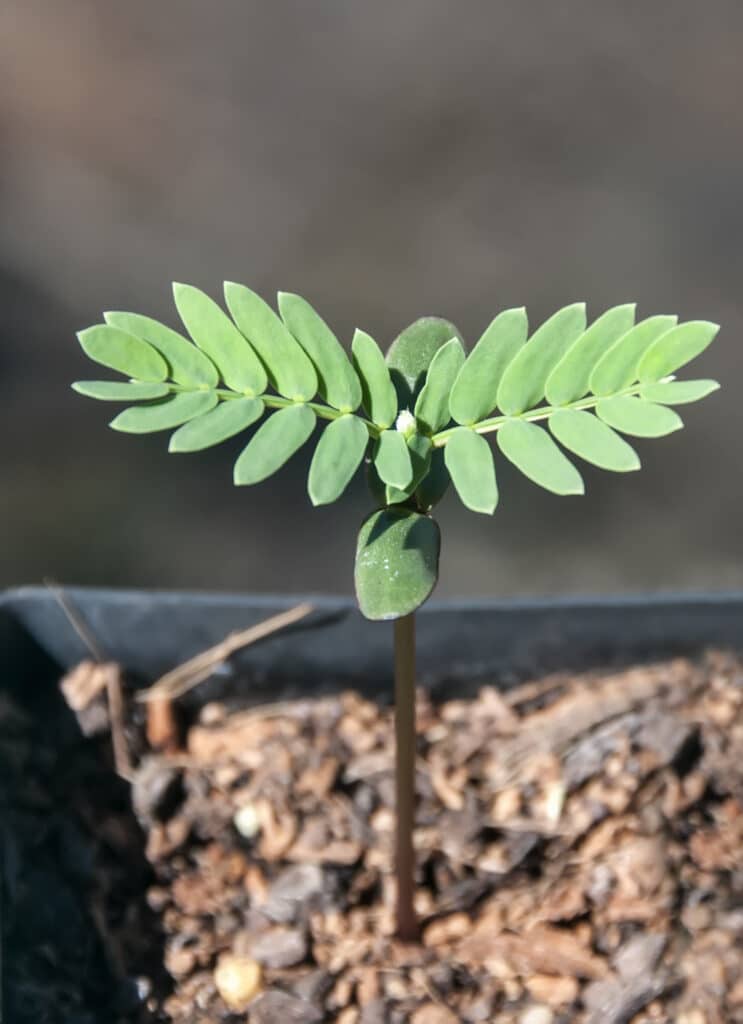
(405,748)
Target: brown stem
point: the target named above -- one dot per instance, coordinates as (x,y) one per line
(407,921)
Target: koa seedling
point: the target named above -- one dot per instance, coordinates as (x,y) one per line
(418,417)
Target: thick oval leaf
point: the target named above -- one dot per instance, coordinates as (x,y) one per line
(378,393)
(637,417)
(435,483)
(411,353)
(214,332)
(432,407)
(119,391)
(475,389)
(678,392)
(533,451)
(569,379)
(338,383)
(617,368)
(337,457)
(397,562)
(274,443)
(392,459)
(675,349)
(188,364)
(164,415)
(228,419)
(523,382)
(584,435)
(289,369)
(469,460)
(420,448)
(120,351)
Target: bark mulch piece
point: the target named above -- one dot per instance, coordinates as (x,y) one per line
(580,859)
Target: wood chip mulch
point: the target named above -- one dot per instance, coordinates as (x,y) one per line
(580,859)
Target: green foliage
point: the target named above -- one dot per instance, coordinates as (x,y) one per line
(397,562)
(418,416)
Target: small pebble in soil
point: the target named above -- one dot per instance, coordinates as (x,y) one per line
(537,1015)
(247,821)
(238,980)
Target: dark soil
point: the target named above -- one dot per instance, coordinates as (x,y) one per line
(580,859)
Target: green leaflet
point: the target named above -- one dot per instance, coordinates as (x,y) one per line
(165,414)
(119,391)
(523,382)
(474,392)
(392,459)
(188,364)
(120,351)
(532,450)
(274,443)
(675,349)
(289,369)
(397,562)
(420,449)
(678,392)
(637,417)
(470,463)
(570,378)
(378,393)
(432,406)
(410,355)
(337,380)
(617,369)
(594,441)
(337,457)
(211,428)
(435,483)
(214,332)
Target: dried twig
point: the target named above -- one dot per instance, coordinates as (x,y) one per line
(194,671)
(108,672)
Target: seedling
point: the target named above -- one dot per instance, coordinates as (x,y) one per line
(418,417)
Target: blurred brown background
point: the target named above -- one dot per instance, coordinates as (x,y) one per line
(385,160)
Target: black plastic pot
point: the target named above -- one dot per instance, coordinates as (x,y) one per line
(459,646)
(458,642)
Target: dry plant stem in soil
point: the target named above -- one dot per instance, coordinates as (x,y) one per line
(407,922)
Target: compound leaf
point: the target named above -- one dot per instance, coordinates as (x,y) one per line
(637,417)
(532,450)
(570,378)
(675,349)
(379,397)
(392,459)
(120,351)
(593,440)
(678,392)
(617,368)
(274,443)
(188,364)
(337,457)
(397,562)
(523,382)
(469,460)
(212,428)
(474,392)
(119,391)
(432,406)
(165,414)
(290,370)
(338,383)
(411,353)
